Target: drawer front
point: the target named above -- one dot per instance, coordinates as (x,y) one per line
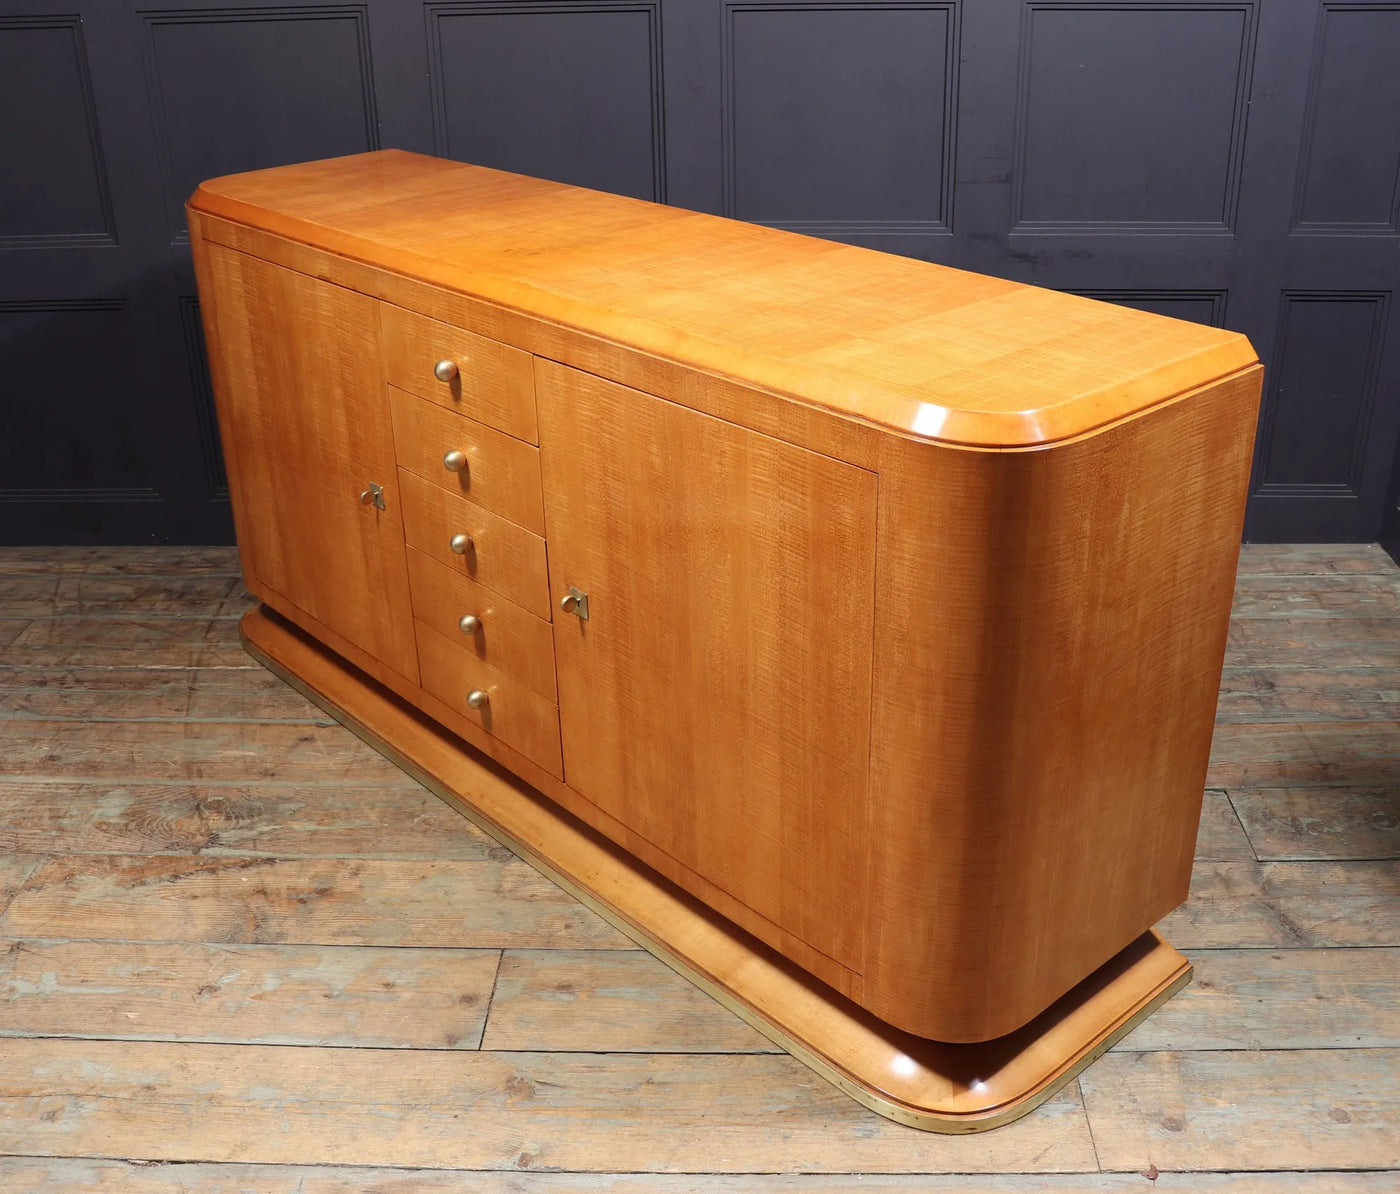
(491,468)
(489,381)
(508,638)
(513,713)
(504,557)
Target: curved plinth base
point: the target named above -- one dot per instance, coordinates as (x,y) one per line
(926,1084)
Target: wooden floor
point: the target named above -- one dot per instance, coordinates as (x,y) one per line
(241,952)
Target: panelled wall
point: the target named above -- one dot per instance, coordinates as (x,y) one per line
(1230,161)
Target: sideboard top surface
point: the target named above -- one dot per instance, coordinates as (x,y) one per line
(928,351)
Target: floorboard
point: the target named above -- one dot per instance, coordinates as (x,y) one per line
(378,998)
(1246,1109)
(1280,999)
(1269,694)
(303,901)
(1294,824)
(240,952)
(137,694)
(1313,559)
(1272,905)
(1222,837)
(236,751)
(36,1175)
(723,1113)
(202,642)
(577,1001)
(1358,595)
(1322,753)
(1318,643)
(273,819)
(97,596)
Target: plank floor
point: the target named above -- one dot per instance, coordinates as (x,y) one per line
(239,951)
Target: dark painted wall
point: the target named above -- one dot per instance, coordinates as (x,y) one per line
(1231,162)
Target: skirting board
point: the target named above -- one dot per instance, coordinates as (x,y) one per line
(926,1084)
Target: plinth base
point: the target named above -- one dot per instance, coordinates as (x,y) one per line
(927,1084)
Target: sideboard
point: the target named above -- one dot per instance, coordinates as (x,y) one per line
(846,628)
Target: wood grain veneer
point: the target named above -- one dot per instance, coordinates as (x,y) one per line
(302,465)
(911,346)
(907,587)
(515,714)
(502,473)
(731,579)
(1044,695)
(503,555)
(511,639)
(493,383)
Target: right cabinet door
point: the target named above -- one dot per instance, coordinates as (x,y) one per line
(717,699)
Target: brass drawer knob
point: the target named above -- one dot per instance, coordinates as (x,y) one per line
(445,370)
(455,461)
(460,543)
(477,698)
(468,623)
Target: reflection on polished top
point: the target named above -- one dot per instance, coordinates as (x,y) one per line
(936,353)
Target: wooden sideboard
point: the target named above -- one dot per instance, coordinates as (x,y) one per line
(854,624)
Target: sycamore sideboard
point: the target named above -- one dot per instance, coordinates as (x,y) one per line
(846,628)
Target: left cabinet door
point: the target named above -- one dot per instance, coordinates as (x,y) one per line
(304,415)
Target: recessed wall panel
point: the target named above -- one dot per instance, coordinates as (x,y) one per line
(65,423)
(1132,116)
(55,187)
(840,115)
(570,92)
(242,89)
(1321,392)
(1351,151)
(1197,306)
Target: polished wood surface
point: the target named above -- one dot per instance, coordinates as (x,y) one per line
(510,638)
(493,383)
(502,555)
(305,423)
(730,581)
(937,353)
(928,720)
(1047,658)
(513,713)
(731,399)
(501,473)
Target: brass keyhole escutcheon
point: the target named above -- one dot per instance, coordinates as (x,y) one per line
(575,601)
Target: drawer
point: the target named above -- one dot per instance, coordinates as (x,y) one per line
(496,470)
(509,638)
(504,557)
(513,713)
(489,381)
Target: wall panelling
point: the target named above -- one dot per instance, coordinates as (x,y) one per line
(1234,162)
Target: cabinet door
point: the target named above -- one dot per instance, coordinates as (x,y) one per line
(717,699)
(304,413)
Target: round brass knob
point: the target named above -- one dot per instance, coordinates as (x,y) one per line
(455,461)
(445,370)
(460,543)
(469,623)
(476,699)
